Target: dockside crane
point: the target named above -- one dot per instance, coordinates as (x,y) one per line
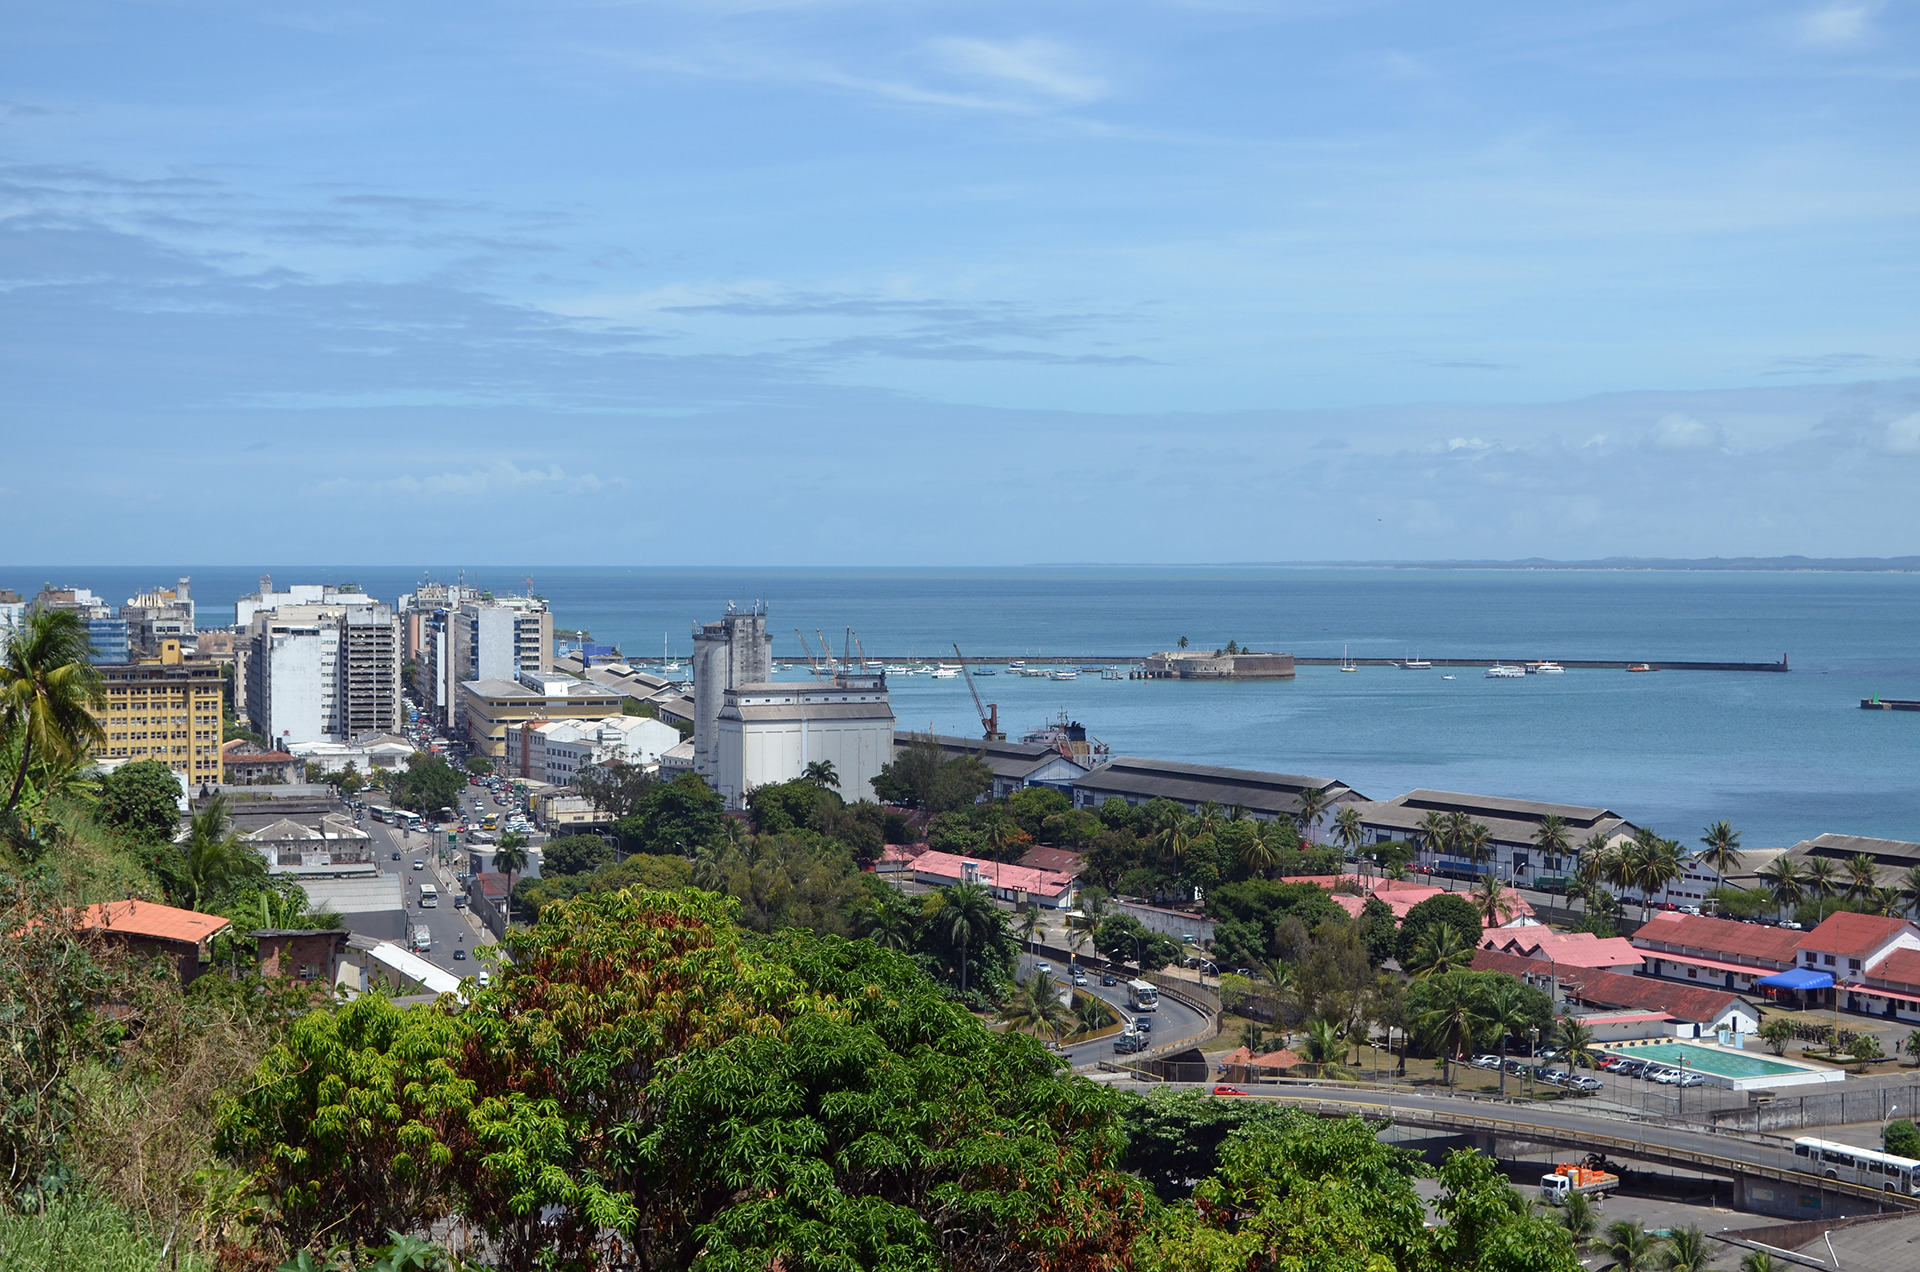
(807,649)
(826,652)
(989,711)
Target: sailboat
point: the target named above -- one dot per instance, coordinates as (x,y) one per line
(1415,663)
(1346,663)
(667,665)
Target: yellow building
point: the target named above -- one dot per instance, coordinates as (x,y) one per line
(165,708)
(488,707)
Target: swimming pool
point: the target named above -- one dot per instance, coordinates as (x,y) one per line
(1727,1064)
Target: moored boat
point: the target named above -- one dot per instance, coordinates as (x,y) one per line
(1501,671)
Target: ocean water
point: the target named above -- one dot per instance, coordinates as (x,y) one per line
(1782,757)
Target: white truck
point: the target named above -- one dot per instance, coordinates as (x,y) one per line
(1568,1178)
(422,939)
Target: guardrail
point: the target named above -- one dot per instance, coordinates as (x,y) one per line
(1414,1115)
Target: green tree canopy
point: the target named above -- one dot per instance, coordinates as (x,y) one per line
(142,799)
(428,784)
(1449,909)
(679,816)
(576,854)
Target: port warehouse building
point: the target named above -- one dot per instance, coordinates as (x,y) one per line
(1513,823)
(1263,796)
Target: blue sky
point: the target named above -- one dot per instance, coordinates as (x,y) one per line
(893,283)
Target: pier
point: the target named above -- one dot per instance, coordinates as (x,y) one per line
(1889,704)
(1587,664)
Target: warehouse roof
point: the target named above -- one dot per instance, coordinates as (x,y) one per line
(1135,777)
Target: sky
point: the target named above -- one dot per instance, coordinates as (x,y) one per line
(841,282)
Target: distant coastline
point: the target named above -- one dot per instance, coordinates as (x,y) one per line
(1775,565)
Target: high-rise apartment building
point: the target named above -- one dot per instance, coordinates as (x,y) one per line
(164,708)
(732,652)
(497,638)
(427,616)
(107,631)
(323,672)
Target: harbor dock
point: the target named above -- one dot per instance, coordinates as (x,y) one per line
(1889,704)
(1588,664)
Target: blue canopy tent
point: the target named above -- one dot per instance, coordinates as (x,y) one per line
(1800,981)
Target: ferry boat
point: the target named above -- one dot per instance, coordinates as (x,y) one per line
(946,671)
(1501,671)
(1549,668)
(1017,665)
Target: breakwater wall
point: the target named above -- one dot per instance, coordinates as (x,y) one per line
(1103,660)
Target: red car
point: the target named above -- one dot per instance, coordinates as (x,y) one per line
(1228,1090)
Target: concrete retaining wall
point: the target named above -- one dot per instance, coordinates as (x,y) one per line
(1837,1108)
(1173,923)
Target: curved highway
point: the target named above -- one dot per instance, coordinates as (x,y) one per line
(1174,1020)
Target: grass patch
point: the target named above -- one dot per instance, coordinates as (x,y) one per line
(79,1233)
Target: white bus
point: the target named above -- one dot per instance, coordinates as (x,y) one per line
(429,896)
(1142,996)
(1867,1166)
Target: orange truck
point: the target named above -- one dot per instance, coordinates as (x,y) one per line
(1568,1179)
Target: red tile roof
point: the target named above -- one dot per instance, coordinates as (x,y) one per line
(1691,1003)
(151,920)
(1851,935)
(1281,1059)
(1573,949)
(1060,860)
(1721,938)
(1902,967)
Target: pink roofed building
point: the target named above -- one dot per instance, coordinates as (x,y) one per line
(1006,881)
(1570,949)
(1401,895)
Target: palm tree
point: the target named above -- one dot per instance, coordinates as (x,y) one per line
(1910,890)
(1630,1246)
(47,686)
(1822,878)
(1028,925)
(1596,863)
(963,913)
(821,774)
(1575,1041)
(1863,875)
(1037,1008)
(1313,802)
(216,861)
(1209,818)
(1325,1048)
(1260,851)
(1885,902)
(1551,837)
(1723,849)
(1171,833)
(1478,844)
(1783,881)
(1346,828)
(1441,949)
(889,921)
(1451,1021)
(1506,1014)
(1760,1261)
(1493,900)
(1433,831)
(509,859)
(1578,1220)
(1686,1251)
(1093,1014)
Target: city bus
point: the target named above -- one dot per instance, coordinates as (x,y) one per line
(429,896)
(1868,1166)
(1142,997)
(409,821)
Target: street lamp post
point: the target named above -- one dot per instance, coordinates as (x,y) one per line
(1533,1042)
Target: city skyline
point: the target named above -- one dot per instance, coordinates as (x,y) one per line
(1187,282)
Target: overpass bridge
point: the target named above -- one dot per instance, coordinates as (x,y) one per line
(1765,1178)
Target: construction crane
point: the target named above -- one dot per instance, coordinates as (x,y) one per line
(808,651)
(825,651)
(989,711)
(864,668)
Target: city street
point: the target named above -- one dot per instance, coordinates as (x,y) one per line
(1174,1019)
(452,927)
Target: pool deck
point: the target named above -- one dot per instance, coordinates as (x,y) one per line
(1804,1072)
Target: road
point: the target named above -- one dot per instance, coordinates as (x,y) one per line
(452,929)
(1652,1143)
(1173,1020)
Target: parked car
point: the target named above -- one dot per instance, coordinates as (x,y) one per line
(1486,1062)
(1693,1079)
(1555,1076)
(1584,1083)
(1665,1076)
(1631,1068)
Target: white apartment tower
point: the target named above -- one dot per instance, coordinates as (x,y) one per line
(323,672)
(732,652)
(499,638)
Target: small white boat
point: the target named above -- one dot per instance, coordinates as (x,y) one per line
(1066,674)
(945,672)
(985,671)
(1346,663)
(1549,668)
(1448,676)
(1503,672)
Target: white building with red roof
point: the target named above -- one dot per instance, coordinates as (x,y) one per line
(1853,949)
(1569,949)
(1719,953)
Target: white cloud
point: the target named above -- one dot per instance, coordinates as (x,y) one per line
(1468,444)
(1903,435)
(1681,432)
(1033,65)
(1838,23)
